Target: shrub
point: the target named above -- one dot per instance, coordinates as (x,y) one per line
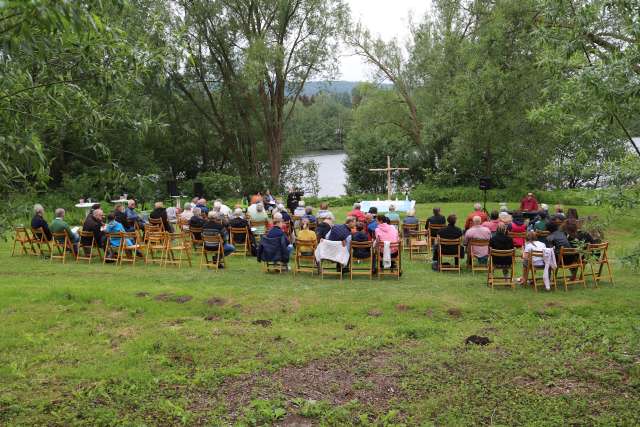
(219,185)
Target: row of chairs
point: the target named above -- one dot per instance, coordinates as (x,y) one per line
(305,261)
(595,256)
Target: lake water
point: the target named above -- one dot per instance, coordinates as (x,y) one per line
(331,174)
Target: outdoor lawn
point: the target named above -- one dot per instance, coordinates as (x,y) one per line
(104,345)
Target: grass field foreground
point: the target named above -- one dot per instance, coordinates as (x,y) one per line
(104,345)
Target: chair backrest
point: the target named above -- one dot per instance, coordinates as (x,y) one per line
(395,223)
(517,234)
(152,228)
(39,235)
(131,235)
(306,244)
(568,251)
(59,238)
(542,233)
(536,254)
(212,242)
(22,234)
(450,242)
(233,231)
(196,233)
(598,246)
(87,239)
(435,228)
(380,245)
(156,237)
(313,226)
(477,242)
(502,252)
(157,222)
(407,229)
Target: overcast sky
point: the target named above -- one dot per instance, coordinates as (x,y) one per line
(385,18)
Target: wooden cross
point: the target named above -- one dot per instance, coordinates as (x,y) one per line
(388,170)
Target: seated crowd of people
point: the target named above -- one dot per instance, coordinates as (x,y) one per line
(268,221)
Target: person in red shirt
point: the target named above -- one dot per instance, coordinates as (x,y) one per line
(477,211)
(529,204)
(357,213)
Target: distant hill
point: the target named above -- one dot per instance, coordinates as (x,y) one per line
(331,86)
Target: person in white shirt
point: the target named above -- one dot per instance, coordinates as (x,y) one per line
(532,244)
(187,213)
(221,207)
(300,210)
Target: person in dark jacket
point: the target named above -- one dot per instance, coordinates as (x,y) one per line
(342,232)
(451,231)
(161,213)
(93,223)
(214,226)
(360,236)
(275,246)
(38,221)
(323,227)
(502,241)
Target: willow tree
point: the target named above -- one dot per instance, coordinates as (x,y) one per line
(251,58)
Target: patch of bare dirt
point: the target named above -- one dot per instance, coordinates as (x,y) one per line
(374,312)
(371,377)
(557,387)
(216,301)
(180,299)
(456,313)
(142,294)
(212,318)
(163,297)
(295,420)
(402,307)
(428,313)
(265,323)
(349,326)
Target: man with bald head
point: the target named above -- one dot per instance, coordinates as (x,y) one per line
(132,216)
(93,223)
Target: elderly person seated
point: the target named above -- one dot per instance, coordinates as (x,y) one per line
(202,204)
(275,247)
(342,233)
(492,223)
(300,209)
(132,216)
(196,220)
(187,212)
(477,211)
(478,232)
(172,214)
(411,219)
(285,215)
(392,214)
(58,225)
(357,213)
(93,223)
(38,221)
(308,214)
(161,213)
(437,218)
(361,236)
(214,226)
(221,207)
(501,241)
(259,216)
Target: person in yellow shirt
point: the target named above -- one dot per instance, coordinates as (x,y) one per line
(306,234)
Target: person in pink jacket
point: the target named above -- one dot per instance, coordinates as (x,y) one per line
(385,232)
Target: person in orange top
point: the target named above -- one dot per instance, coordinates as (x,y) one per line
(476,212)
(256,198)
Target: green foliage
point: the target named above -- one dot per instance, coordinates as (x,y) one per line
(218,185)
(261,412)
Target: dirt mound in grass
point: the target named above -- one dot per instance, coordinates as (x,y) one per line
(216,301)
(371,377)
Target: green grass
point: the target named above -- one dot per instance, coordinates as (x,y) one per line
(96,345)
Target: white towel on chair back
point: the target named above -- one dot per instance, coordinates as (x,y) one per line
(386,255)
(549,263)
(332,251)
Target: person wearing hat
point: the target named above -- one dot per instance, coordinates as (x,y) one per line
(529,203)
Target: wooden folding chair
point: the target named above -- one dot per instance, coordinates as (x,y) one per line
(542,234)
(598,255)
(396,263)
(239,237)
(532,271)
(407,231)
(501,279)
(313,226)
(574,263)
(305,259)
(456,257)
(396,224)
(196,238)
(331,268)
(419,243)
(112,250)
(259,232)
(177,244)
(25,241)
(87,246)
(157,222)
(129,247)
(41,242)
(361,266)
(156,247)
(473,261)
(212,245)
(61,244)
(182,224)
(434,229)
